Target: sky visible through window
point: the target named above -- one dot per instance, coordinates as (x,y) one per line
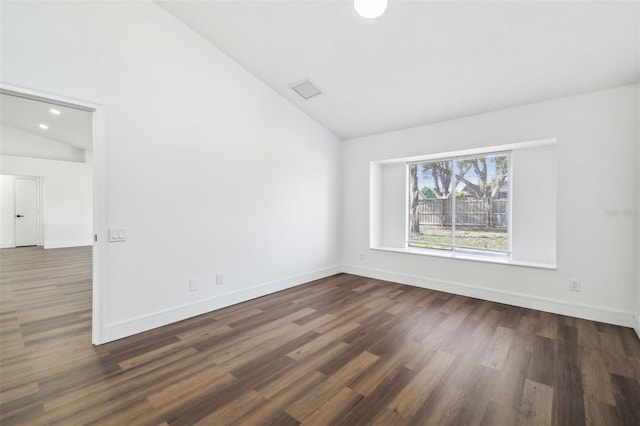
(427,181)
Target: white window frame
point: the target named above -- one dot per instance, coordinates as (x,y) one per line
(453,158)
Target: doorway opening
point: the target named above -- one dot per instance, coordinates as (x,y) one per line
(52,181)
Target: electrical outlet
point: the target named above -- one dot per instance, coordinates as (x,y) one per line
(219,279)
(574,284)
(361,256)
(193,284)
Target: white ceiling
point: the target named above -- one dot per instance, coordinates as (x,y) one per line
(72,127)
(422,61)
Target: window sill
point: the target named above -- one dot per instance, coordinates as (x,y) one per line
(489,258)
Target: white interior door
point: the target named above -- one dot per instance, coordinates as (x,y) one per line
(26,193)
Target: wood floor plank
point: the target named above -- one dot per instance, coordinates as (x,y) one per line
(234,410)
(498,348)
(335,408)
(368,409)
(308,404)
(274,406)
(302,368)
(541,365)
(596,380)
(413,396)
(535,407)
(568,405)
(628,405)
(339,350)
(498,414)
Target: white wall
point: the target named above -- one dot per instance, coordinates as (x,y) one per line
(596,130)
(18,143)
(208,170)
(67,197)
(393,205)
(534,204)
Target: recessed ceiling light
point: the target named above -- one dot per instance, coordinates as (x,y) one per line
(54,111)
(43,126)
(370,9)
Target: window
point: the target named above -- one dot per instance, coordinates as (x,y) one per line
(517,228)
(461,203)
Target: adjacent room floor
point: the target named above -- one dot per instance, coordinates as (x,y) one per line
(341,350)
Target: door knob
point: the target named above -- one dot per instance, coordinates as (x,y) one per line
(19,215)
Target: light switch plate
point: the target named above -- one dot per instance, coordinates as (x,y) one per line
(117,235)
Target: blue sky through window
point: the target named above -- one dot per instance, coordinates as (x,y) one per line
(470,175)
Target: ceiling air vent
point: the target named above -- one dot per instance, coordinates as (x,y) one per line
(306,89)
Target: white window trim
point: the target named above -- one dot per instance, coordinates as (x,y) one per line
(468,152)
(485,258)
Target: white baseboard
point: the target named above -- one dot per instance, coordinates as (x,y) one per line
(636,326)
(7,245)
(120,329)
(64,244)
(594,313)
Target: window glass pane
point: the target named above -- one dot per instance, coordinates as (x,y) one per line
(481,204)
(430,186)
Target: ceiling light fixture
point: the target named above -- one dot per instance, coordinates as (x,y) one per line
(43,126)
(370,8)
(54,111)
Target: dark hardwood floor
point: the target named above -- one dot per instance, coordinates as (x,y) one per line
(344,350)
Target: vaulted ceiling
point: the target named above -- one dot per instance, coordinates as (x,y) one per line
(422,61)
(69,126)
